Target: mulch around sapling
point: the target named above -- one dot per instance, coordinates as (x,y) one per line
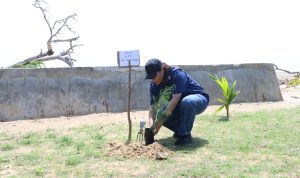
(138,150)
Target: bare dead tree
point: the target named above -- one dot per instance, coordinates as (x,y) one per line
(55,31)
(297,74)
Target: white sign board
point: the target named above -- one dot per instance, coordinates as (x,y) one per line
(125,56)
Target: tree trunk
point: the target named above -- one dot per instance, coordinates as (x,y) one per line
(227,111)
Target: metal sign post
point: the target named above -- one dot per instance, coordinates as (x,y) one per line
(129,59)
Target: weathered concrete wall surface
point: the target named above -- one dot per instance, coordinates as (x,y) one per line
(40,93)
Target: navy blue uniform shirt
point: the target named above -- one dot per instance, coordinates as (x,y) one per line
(182,82)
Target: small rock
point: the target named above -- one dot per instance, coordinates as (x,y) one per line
(161,156)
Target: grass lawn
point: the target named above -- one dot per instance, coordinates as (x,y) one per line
(260,144)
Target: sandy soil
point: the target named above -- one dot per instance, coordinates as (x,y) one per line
(138,150)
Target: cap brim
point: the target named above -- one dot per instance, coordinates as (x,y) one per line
(150,76)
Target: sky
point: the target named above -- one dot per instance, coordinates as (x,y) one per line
(190,32)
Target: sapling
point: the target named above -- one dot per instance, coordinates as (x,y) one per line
(162,101)
(158,109)
(228,92)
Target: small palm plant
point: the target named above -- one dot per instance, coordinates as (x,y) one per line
(228,92)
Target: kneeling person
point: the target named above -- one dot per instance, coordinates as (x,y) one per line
(175,100)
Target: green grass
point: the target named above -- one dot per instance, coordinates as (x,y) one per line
(39,171)
(260,144)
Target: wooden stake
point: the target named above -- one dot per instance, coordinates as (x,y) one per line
(129,96)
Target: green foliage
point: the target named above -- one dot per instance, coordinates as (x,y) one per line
(31,158)
(228,92)
(39,171)
(163,100)
(294,82)
(31,65)
(98,137)
(66,141)
(4,159)
(6,147)
(73,160)
(29,139)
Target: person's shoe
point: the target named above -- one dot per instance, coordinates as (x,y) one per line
(183,140)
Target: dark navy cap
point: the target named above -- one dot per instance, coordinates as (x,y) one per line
(152,67)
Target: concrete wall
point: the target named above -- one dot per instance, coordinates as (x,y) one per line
(52,92)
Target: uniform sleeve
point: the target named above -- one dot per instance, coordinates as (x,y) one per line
(180,81)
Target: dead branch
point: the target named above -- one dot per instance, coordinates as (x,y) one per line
(66,40)
(64,56)
(297,74)
(56,29)
(63,23)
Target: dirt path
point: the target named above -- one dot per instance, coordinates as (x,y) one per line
(291,99)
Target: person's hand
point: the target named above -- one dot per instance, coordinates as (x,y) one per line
(167,113)
(151,116)
(156,126)
(160,119)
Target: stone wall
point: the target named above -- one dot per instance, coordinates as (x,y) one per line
(53,92)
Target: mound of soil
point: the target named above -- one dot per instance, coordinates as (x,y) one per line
(138,150)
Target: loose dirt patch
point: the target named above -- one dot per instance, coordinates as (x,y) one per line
(138,150)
